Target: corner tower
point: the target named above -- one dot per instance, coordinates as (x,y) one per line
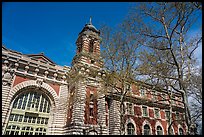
(88,47)
(86,104)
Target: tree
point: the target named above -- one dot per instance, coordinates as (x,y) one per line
(195,96)
(119,53)
(167,59)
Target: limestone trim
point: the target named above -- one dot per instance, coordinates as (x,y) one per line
(34,83)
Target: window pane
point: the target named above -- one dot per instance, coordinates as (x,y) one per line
(38,120)
(25,119)
(11,117)
(26,100)
(20,103)
(144,109)
(42,121)
(20,118)
(46,121)
(16,117)
(130,129)
(34,119)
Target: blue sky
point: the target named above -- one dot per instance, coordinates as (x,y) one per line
(53,27)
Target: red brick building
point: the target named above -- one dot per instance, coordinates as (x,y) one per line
(41,97)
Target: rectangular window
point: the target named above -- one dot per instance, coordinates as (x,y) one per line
(157,114)
(129,108)
(144,111)
(38,120)
(167,114)
(16,117)
(11,117)
(42,120)
(34,119)
(29,119)
(142,92)
(25,119)
(46,120)
(20,118)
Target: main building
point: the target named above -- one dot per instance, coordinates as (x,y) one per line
(40,97)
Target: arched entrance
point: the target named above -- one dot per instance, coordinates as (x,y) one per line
(29,114)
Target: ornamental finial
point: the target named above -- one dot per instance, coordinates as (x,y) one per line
(90,21)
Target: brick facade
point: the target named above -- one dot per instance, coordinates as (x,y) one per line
(77,104)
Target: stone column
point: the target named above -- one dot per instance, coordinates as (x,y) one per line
(7,79)
(114,117)
(79,107)
(61,111)
(101,114)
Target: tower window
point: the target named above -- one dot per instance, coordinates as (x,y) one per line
(91,46)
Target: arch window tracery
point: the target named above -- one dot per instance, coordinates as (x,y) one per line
(159,130)
(130,129)
(146,130)
(30,110)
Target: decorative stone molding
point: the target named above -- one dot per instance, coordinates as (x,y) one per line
(39,82)
(33,83)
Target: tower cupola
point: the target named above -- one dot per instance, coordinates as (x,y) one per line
(88,46)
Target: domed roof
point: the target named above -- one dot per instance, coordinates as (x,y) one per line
(89,26)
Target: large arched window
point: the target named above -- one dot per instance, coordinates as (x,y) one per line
(29,112)
(180,131)
(146,130)
(130,129)
(159,130)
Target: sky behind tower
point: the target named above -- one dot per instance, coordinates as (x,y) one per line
(53,27)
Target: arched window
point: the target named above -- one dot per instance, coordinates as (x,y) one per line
(146,130)
(159,130)
(30,110)
(180,131)
(130,129)
(171,131)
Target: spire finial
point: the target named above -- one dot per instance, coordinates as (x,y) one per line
(90,21)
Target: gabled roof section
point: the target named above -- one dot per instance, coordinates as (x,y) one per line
(40,57)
